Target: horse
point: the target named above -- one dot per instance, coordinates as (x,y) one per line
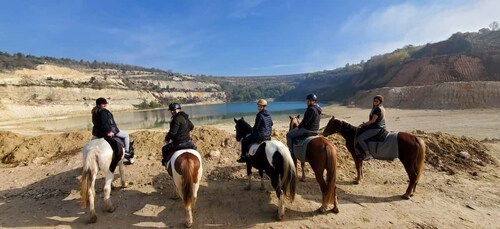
(321,155)
(185,167)
(274,158)
(413,149)
(97,156)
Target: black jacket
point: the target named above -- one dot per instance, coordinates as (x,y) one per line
(263,126)
(103,123)
(312,116)
(180,126)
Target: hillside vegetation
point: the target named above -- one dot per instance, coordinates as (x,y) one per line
(461,72)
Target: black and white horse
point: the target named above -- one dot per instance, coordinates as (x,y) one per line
(275,159)
(97,156)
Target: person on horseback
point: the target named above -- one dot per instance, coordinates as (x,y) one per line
(261,131)
(371,128)
(180,126)
(309,125)
(105,125)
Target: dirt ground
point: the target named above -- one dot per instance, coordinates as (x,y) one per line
(460,187)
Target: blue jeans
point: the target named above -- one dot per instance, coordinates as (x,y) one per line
(361,139)
(124,135)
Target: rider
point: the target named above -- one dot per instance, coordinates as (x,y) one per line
(371,128)
(310,123)
(105,125)
(261,131)
(180,126)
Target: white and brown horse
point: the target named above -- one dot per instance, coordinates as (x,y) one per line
(275,159)
(97,156)
(186,169)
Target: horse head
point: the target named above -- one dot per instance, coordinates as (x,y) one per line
(294,122)
(336,126)
(242,128)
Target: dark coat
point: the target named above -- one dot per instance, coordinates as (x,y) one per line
(103,123)
(263,126)
(180,126)
(312,116)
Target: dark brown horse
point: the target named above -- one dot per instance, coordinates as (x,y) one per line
(322,156)
(411,152)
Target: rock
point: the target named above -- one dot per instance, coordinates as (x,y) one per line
(214,154)
(464,154)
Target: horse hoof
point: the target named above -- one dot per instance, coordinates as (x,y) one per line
(405,197)
(111,209)
(174,197)
(93,219)
(321,210)
(357,182)
(335,210)
(247,188)
(189,225)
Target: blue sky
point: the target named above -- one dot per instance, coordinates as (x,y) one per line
(231,37)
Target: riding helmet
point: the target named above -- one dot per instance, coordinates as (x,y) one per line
(312,97)
(262,102)
(100,101)
(174,106)
(380,98)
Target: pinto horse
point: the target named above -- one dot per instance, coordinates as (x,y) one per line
(412,152)
(185,167)
(322,156)
(97,156)
(274,158)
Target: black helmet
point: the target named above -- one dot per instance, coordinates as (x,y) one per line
(312,97)
(174,106)
(100,101)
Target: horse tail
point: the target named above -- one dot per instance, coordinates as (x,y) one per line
(187,170)
(88,171)
(419,164)
(331,170)
(289,175)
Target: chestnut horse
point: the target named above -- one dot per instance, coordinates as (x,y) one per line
(411,152)
(274,158)
(322,156)
(97,156)
(185,167)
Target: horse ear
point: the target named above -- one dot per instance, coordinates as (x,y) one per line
(298,116)
(242,118)
(235,120)
(290,117)
(333,117)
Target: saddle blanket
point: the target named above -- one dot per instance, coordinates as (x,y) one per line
(300,149)
(386,150)
(182,151)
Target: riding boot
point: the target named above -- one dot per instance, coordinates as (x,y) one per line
(368,156)
(242,159)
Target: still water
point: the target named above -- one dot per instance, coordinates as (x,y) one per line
(160,118)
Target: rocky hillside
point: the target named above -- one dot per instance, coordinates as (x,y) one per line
(461,72)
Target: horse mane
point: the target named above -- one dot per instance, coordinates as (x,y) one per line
(245,125)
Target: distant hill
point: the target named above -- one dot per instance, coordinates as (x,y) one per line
(461,72)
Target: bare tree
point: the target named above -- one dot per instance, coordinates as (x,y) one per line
(495,26)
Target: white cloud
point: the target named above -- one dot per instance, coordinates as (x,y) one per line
(387,29)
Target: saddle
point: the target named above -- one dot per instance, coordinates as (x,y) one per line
(300,148)
(117,144)
(380,137)
(300,140)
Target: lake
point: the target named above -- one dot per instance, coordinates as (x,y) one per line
(160,118)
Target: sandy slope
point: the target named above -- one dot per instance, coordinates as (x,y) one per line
(45,193)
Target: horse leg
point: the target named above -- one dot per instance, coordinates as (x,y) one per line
(122,173)
(412,175)
(359,170)
(303,167)
(107,191)
(91,193)
(275,182)
(318,173)
(261,174)
(335,201)
(189,216)
(249,173)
